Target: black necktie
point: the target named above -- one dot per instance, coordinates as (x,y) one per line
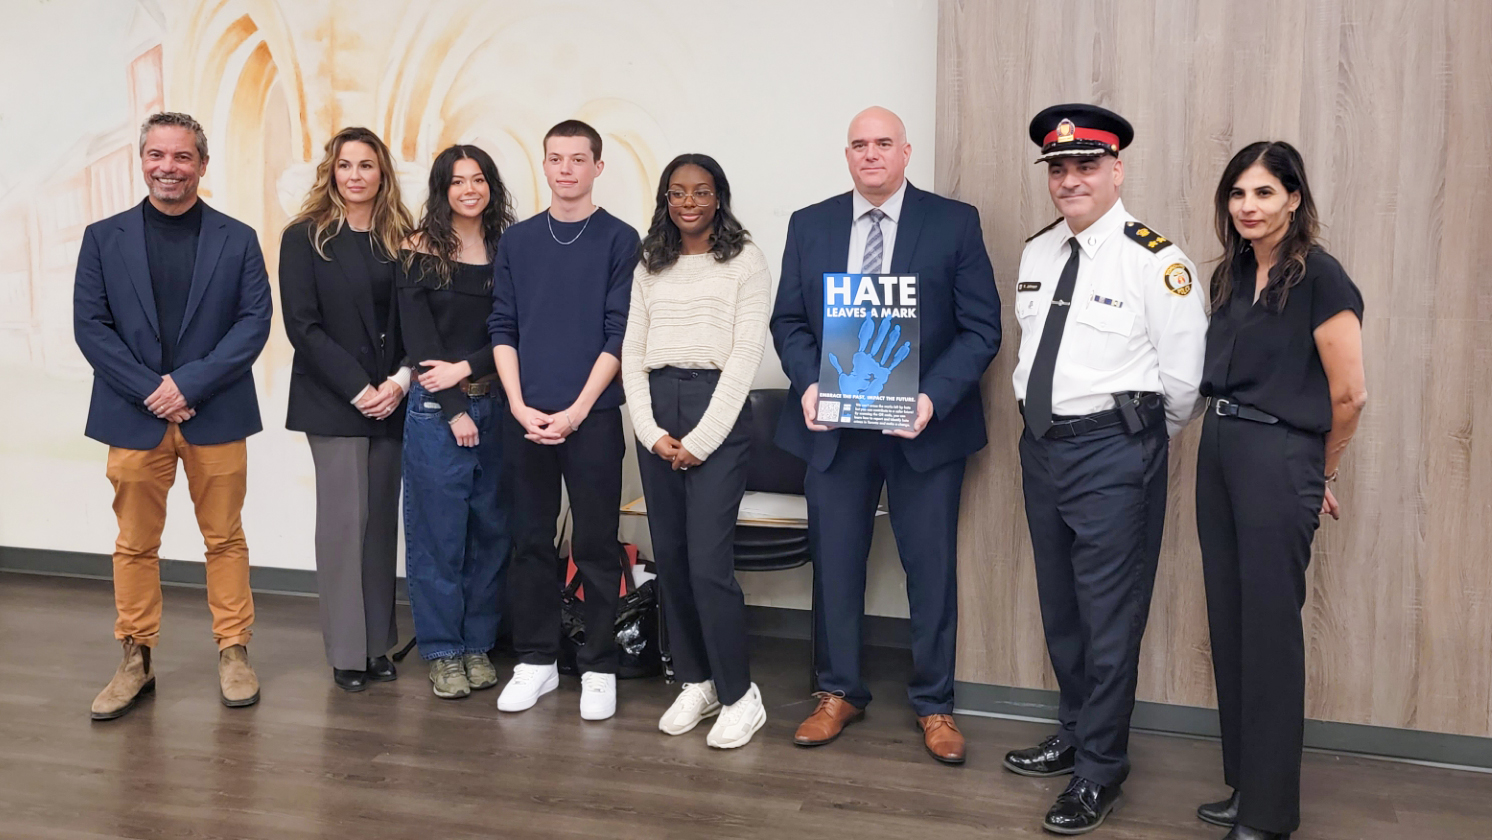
(1039,384)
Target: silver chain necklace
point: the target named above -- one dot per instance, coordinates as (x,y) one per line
(549,217)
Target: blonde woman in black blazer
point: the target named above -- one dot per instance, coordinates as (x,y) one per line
(337,262)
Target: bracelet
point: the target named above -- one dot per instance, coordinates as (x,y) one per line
(1333,476)
(453,420)
(573,426)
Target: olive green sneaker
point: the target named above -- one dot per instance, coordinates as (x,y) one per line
(449,678)
(479,671)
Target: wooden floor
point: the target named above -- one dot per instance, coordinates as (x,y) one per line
(395,762)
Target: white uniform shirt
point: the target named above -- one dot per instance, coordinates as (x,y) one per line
(1138,321)
(860,228)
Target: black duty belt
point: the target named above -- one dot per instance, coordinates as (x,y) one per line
(1144,407)
(1225,407)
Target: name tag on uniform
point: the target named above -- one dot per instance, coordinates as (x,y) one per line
(1028,286)
(1117,304)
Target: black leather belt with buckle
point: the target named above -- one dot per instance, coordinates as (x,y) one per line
(1225,407)
(477,389)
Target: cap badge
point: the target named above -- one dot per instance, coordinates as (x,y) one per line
(1065,131)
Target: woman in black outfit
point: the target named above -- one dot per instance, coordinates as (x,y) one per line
(456,535)
(1284,378)
(337,263)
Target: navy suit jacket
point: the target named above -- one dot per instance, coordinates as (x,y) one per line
(223,329)
(936,238)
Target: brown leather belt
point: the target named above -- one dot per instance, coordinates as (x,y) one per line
(480,388)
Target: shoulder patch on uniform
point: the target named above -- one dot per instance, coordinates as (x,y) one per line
(1145,236)
(1178,279)
(1045,229)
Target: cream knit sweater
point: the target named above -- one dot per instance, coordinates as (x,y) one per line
(701,314)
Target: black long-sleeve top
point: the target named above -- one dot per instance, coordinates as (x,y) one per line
(447,320)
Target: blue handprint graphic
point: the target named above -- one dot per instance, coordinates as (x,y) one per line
(868,374)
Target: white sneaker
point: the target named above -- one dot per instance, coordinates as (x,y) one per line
(695,703)
(597,696)
(529,683)
(738,721)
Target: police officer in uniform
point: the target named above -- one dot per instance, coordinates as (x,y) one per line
(1112,337)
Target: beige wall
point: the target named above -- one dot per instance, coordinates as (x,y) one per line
(1389,103)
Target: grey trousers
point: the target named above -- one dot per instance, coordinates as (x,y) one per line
(357,532)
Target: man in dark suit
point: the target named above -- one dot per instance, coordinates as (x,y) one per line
(888,225)
(171,307)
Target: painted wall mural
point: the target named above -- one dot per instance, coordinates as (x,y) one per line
(272,80)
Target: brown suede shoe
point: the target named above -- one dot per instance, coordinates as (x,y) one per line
(240,686)
(827,721)
(941,737)
(133,679)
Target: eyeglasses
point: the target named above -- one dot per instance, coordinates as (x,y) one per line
(702,197)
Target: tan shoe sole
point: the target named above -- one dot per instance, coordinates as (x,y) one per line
(147,688)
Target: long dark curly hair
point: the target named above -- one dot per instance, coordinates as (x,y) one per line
(1285,163)
(435,234)
(661,247)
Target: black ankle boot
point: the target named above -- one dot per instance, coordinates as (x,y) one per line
(380,669)
(1224,813)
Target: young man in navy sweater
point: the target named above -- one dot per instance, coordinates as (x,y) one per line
(562,282)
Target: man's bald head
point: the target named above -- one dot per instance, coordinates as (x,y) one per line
(877,153)
(875,122)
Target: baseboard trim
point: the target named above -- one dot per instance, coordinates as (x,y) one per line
(1468,751)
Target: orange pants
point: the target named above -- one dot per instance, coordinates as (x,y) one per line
(217,477)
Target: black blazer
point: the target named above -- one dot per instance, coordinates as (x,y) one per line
(225,326)
(936,238)
(339,350)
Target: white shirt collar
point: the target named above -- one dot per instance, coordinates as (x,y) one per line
(891,206)
(1094,235)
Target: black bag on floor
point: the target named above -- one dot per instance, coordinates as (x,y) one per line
(636,630)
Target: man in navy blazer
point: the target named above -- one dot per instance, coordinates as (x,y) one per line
(171,307)
(887,225)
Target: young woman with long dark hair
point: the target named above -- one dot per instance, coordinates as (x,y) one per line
(455,521)
(695,334)
(1284,378)
(337,262)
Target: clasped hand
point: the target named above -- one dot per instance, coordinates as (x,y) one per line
(548,429)
(167,403)
(380,402)
(671,450)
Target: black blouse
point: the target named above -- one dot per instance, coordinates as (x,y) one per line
(380,274)
(1268,360)
(447,322)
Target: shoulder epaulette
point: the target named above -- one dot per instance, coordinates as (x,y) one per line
(1045,229)
(1152,241)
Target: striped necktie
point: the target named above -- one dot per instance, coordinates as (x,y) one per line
(875,243)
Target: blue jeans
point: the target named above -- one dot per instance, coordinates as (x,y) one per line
(456,535)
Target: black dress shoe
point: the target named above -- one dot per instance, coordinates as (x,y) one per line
(1243,832)
(1081,808)
(380,669)
(350,680)
(1049,758)
(1223,813)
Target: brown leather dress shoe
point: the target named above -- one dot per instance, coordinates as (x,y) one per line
(827,721)
(941,737)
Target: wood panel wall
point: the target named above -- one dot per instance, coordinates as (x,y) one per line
(1390,102)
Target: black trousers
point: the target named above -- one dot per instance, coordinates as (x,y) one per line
(590,462)
(692,520)
(924,517)
(1259,490)
(1096,504)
